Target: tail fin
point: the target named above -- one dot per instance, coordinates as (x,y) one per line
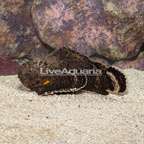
(118,80)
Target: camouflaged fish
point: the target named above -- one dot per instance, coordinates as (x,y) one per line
(40,75)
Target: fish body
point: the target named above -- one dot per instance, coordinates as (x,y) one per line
(75,72)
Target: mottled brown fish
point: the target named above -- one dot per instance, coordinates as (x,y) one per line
(40,74)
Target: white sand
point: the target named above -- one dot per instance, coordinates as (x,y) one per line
(88,118)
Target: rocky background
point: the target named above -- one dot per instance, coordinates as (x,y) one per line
(111,31)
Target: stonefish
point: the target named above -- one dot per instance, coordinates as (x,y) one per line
(66,71)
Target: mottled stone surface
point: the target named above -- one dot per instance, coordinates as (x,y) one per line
(110,28)
(17,35)
(138,63)
(8,66)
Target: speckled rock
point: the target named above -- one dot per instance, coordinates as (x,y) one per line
(104,30)
(110,28)
(8,66)
(17,35)
(137,63)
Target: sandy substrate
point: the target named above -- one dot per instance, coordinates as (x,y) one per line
(87,118)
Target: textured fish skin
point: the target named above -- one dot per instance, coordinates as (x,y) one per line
(110,78)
